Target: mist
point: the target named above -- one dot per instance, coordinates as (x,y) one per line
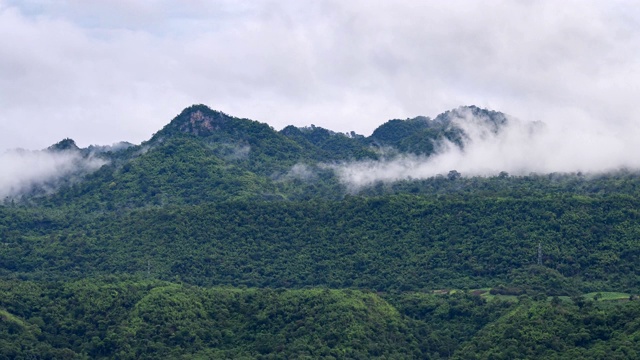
(103,71)
(567,145)
(23,171)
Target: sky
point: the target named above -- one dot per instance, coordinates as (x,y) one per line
(101,72)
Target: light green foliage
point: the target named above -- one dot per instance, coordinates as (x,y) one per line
(150,319)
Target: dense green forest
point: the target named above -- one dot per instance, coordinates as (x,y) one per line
(393,242)
(223,238)
(134,318)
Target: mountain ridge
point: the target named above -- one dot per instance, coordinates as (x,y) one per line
(201,121)
(216,156)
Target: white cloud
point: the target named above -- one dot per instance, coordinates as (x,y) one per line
(105,71)
(301,172)
(520,148)
(20,170)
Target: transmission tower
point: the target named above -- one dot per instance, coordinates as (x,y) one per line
(539,253)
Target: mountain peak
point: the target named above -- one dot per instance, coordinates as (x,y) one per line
(494,118)
(200,120)
(64,145)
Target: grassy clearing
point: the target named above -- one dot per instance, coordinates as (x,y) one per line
(486,294)
(607,296)
(511,298)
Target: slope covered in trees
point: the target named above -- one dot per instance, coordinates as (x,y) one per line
(223,238)
(394,242)
(204,155)
(132,318)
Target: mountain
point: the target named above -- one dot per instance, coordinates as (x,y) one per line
(205,155)
(422,135)
(327,146)
(221,237)
(201,155)
(64,145)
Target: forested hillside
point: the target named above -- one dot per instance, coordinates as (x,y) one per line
(221,237)
(393,242)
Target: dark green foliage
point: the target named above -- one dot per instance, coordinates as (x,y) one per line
(223,238)
(560,330)
(176,171)
(64,145)
(204,155)
(422,135)
(327,146)
(255,145)
(419,135)
(443,322)
(207,156)
(397,242)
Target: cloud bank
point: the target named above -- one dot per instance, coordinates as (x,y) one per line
(111,70)
(519,148)
(24,171)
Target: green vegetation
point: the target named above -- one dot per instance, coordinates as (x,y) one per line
(151,319)
(390,243)
(131,318)
(223,238)
(608,296)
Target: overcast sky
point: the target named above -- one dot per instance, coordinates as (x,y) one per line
(105,71)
